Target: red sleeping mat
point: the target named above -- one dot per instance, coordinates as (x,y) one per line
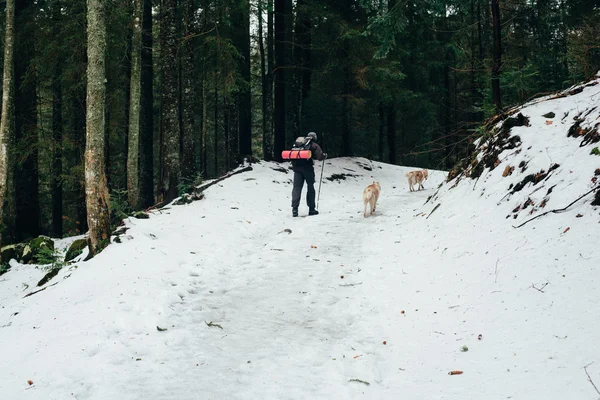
(296,154)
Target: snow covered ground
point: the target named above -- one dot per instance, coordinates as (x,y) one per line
(216,300)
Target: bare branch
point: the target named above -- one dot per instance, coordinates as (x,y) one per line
(590,378)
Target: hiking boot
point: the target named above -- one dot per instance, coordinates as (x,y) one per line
(313,212)
(294,212)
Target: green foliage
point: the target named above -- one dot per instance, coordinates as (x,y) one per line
(464,349)
(45,256)
(102,245)
(595,151)
(384,24)
(4,267)
(75,249)
(186,185)
(119,207)
(583,54)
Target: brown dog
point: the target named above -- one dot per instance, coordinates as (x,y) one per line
(370,196)
(417,177)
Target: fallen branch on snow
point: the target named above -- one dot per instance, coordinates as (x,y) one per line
(205,186)
(197,191)
(359,380)
(589,378)
(211,324)
(39,290)
(559,210)
(541,288)
(434,208)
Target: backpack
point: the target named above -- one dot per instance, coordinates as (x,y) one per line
(300,153)
(302,143)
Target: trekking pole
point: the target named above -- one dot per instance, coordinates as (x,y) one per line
(321,180)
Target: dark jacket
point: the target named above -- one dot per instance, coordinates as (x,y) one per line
(317,154)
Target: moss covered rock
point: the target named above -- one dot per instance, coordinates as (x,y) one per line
(141,215)
(37,247)
(12,251)
(75,249)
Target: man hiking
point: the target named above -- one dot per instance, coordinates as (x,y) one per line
(305,171)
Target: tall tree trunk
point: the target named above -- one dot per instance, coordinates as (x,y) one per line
(78,129)
(57,132)
(381,131)
(270,70)
(391,133)
(26,134)
(216,125)
(96,189)
(7,122)
(480,29)
(226,131)
(107,141)
(188,94)
(346,148)
(133,151)
(146,160)
(290,127)
(447,112)
(302,54)
(171,170)
(267,152)
(242,43)
(280,79)
(270,54)
(204,121)
(497,56)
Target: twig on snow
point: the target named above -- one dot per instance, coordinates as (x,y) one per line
(434,208)
(559,210)
(359,380)
(39,290)
(541,288)
(496,272)
(211,324)
(590,378)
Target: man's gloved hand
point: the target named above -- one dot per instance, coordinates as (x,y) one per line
(324,156)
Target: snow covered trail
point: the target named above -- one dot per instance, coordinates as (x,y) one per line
(290,322)
(285,316)
(215,300)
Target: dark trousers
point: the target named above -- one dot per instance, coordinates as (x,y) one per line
(301,175)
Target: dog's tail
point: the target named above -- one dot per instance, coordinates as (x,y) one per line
(369,194)
(408,174)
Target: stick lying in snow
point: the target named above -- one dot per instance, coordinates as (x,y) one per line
(227,175)
(559,210)
(199,189)
(358,380)
(434,208)
(211,324)
(37,291)
(541,288)
(589,378)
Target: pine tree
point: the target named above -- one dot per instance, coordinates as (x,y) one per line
(170,147)
(133,153)
(96,188)
(7,122)
(241,20)
(147,111)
